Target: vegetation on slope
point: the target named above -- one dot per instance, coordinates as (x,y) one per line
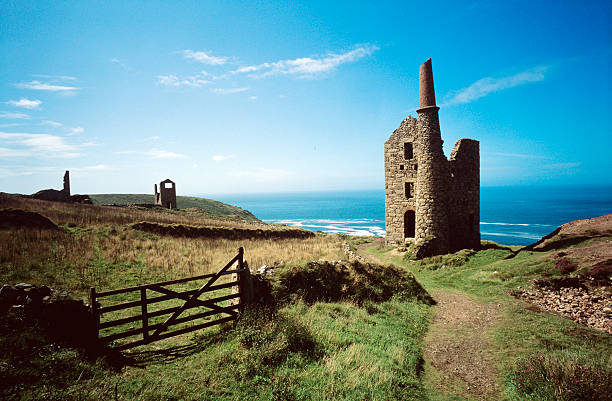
(202,205)
(522,336)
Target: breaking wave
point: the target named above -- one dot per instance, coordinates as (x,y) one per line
(358,227)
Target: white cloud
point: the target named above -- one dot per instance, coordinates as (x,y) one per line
(44,144)
(125,152)
(6,152)
(77,130)
(55,77)
(164,154)
(42,86)
(488,85)
(253,97)
(195,81)
(220,158)
(98,167)
(228,91)
(204,57)
(262,174)
(307,67)
(14,116)
(51,123)
(519,155)
(25,103)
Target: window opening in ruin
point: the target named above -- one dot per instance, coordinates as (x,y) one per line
(409,189)
(401,166)
(408,153)
(409,224)
(416,167)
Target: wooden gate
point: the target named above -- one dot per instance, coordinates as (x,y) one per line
(152,330)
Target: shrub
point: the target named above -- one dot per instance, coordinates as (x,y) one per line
(562,376)
(355,282)
(565,266)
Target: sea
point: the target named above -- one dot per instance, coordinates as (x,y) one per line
(508,215)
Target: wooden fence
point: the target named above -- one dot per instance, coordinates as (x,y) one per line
(149,331)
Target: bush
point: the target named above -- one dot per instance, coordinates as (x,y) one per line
(562,376)
(355,282)
(565,266)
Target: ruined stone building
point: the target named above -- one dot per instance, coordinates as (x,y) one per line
(431,201)
(62,195)
(166,196)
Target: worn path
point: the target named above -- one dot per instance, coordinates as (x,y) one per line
(459,357)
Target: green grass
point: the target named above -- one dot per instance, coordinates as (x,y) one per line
(521,333)
(208,206)
(325,351)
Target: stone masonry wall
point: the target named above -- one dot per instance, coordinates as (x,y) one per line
(431,202)
(432,183)
(464,195)
(398,172)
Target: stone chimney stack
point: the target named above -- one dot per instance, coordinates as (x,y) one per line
(427,96)
(67,183)
(433,173)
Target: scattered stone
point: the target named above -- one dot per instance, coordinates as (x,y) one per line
(590,307)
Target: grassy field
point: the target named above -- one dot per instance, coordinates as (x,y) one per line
(205,206)
(362,345)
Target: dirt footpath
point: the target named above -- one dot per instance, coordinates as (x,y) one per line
(458,355)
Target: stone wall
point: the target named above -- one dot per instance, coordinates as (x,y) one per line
(464,199)
(166,197)
(398,171)
(430,201)
(432,184)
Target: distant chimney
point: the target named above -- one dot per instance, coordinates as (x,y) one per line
(67,183)
(426,86)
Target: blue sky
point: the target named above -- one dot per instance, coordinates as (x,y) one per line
(230,97)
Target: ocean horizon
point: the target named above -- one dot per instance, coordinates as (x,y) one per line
(511,215)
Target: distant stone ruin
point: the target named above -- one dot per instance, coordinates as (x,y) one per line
(166,197)
(62,195)
(430,201)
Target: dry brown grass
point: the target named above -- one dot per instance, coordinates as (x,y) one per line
(91,215)
(96,248)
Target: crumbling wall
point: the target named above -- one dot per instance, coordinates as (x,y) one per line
(464,199)
(400,169)
(430,201)
(166,197)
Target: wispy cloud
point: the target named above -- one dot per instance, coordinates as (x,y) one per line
(77,130)
(220,158)
(97,167)
(562,167)
(164,154)
(195,81)
(307,67)
(6,152)
(204,57)
(45,145)
(485,86)
(14,116)
(125,152)
(55,77)
(262,174)
(43,86)
(519,155)
(51,123)
(25,103)
(228,91)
